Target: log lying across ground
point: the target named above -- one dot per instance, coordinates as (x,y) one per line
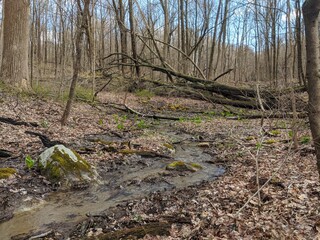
(250,103)
(253,98)
(238,97)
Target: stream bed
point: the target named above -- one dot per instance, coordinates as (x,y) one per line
(134,177)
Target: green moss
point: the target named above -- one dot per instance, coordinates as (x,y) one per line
(129,151)
(196,165)
(176,164)
(183,166)
(176,107)
(144,94)
(62,163)
(275,132)
(7,172)
(305,139)
(270,141)
(169,146)
(249,138)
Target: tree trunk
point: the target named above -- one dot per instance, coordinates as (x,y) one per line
(301,76)
(311,9)
(133,40)
(14,69)
(81,25)
(120,15)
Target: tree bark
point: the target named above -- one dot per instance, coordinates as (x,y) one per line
(311,9)
(133,40)
(301,76)
(14,69)
(120,15)
(81,25)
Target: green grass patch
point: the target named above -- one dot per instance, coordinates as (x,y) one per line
(144,93)
(305,139)
(270,141)
(275,132)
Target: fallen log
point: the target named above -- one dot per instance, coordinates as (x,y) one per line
(211,85)
(137,232)
(12,121)
(234,96)
(247,103)
(266,115)
(5,153)
(151,116)
(44,139)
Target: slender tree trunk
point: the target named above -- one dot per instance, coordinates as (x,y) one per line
(183,35)
(120,15)
(301,76)
(166,28)
(81,22)
(213,47)
(311,9)
(133,40)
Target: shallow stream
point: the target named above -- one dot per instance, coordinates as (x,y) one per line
(135,179)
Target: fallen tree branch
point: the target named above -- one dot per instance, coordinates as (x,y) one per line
(272,115)
(222,74)
(5,153)
(152,228)
(151,116)
(18,123)
(267,182)
(44,139)
(104,86)
(249,103)
(42,235)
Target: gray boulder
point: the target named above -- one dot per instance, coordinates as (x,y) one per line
(65,167)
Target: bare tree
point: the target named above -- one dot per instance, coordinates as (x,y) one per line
(120,15)
(14,69)
(301,76)
(133,39)
(81,27)
(311,10)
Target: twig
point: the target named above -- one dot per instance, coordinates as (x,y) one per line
(222,74)
(266,183)
(41,235)
(103,87)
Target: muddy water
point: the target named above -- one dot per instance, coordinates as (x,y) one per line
(137,178)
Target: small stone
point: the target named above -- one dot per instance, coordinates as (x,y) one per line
(203,144)
(183,166)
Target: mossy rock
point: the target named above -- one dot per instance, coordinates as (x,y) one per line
(7,172)
(169,148)
(66,167)
(183,166)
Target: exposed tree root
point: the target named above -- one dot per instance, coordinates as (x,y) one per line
(152,228)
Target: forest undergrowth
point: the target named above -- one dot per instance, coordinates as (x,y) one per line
(254,156)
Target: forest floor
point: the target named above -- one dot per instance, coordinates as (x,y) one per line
(226,207)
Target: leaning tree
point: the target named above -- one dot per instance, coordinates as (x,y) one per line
(311,10)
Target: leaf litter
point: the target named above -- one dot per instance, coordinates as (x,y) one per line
(288,207)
